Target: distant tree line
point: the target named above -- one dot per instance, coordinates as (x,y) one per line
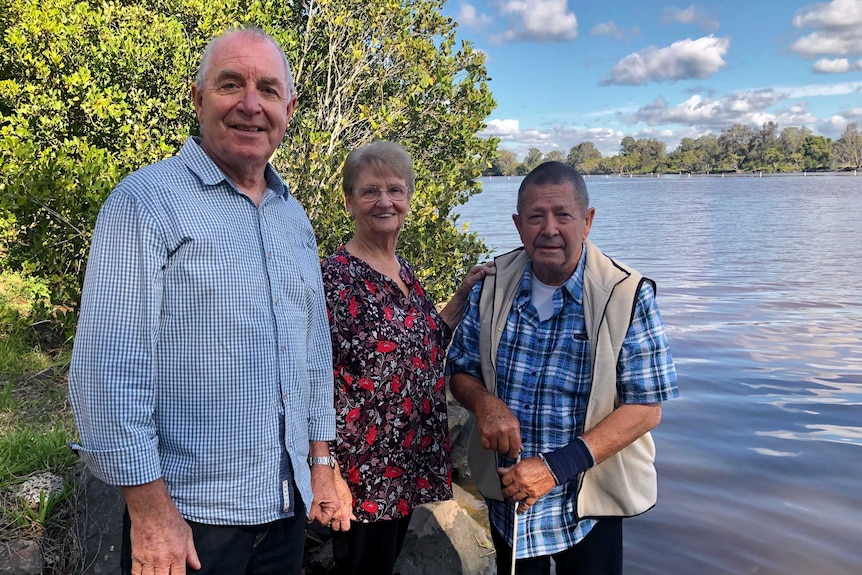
(739,148)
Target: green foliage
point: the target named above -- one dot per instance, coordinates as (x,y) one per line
(92,91)
(391,70)
(22,300)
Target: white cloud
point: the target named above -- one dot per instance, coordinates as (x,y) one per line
(817,90)
(837,29)
(681,60)
(558,137)
(468,17)
(607,29)
(502,128)
(538,21)
(836,66)
(751,107)
(690,15)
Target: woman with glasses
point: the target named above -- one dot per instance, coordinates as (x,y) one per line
(388,343)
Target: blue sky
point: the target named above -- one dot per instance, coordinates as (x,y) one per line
(564,72)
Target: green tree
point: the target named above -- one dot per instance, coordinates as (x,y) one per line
(848,148)
(555,156)
(506,164)
(734,144)
(90,92)
(790,142)
(584,157)
(533,158)
(817,153)
(764,147)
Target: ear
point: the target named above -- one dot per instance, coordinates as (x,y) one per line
(348,205)
(198,99)
(517,219)
(291,106)
(588,221)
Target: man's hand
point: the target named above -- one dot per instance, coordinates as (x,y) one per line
(342,518)
(526,481)
(499,427)
(326,503)
(162,542)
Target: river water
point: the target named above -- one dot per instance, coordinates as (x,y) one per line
(760,459)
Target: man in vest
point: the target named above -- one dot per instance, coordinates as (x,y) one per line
(563,359)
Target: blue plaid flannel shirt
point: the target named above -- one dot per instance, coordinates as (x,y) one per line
(543,375)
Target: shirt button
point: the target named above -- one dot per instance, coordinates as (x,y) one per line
(276,301)
(283,347)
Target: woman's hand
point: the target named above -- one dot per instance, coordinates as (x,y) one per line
(454,310)
(342,518)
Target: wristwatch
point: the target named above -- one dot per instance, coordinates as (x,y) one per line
(323,460)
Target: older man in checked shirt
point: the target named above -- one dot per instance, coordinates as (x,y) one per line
(563,359)
(201,376)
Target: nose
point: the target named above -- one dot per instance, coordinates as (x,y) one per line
(550,227)
(249,101)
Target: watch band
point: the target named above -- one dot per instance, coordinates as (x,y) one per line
(322,460)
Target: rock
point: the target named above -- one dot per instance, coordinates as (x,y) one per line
(21,557)
(40,487)
(458,417)
(458,451)
(98,523)
(449,537)
(443,538)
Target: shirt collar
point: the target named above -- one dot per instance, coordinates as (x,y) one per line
(210,174)
(574,286)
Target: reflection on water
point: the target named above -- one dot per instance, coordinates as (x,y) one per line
(758,283)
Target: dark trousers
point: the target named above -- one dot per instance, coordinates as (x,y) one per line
(275,548)
(599,553)
(369,548)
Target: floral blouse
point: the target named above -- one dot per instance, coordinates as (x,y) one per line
(392,439)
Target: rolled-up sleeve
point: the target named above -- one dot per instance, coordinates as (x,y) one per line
(645,370)
(321,413)
(463,355)
(111,374)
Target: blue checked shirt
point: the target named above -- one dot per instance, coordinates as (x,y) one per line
(543,375)
(202,353)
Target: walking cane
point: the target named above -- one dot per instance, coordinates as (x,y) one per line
(515,528)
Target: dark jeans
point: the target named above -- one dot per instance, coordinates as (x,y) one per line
(369,548)
(270,549)
(599,553)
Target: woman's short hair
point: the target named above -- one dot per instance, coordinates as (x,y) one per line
(383,158)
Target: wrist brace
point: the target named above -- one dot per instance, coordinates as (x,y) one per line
(567,462)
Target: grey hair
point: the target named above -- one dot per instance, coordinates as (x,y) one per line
(252,33)
(556,173)
(382,157)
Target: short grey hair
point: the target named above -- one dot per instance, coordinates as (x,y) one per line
(382,157)
(556,173)
(253,33)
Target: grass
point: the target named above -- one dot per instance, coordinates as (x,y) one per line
(35,425)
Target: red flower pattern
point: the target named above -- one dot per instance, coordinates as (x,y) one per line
(394,456)
(385,346)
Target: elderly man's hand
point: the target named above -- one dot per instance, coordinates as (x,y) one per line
(326,503)
(498,426)
(526,481)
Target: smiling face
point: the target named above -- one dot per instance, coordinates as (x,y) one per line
(378,203)
(553,228)
(244,104)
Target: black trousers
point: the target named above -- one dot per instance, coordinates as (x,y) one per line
(275,548)
(369,548)
(599,553)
